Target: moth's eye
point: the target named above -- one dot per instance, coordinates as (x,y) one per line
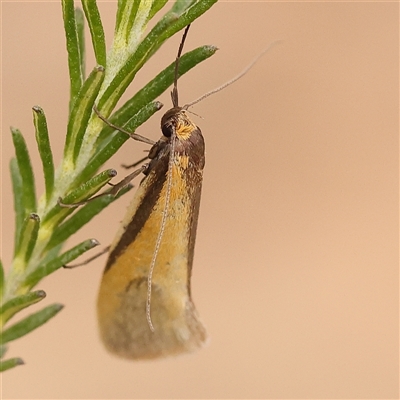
(167,130)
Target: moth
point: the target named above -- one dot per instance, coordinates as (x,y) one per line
(145,309)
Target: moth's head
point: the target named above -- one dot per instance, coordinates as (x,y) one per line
(176,121)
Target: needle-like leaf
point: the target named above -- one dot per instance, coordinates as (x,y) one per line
(28,324)
(96,30)
(46,269)
(26,172)
(10,363)
(80,30)
(43,142)
(73,49)
(18,303)
(81,113)
(19,207)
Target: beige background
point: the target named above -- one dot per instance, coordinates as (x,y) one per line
(296,266)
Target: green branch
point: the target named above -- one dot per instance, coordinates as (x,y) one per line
(43,225)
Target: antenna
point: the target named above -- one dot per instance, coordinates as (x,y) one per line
(237,77)
(174,93)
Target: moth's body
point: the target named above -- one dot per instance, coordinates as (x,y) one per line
(172,185)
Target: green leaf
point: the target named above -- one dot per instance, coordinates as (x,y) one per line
(110,146)
(18,303)
(42,139)
(82,217)
(27,241)
(81,113)
(80,29)
(19,207)
(10,363)
(30,323)
(46,269)
(58,213)
(26,172)
(1,280)
(73,49)
(96,30)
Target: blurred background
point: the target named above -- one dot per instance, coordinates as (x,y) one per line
(296,265)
